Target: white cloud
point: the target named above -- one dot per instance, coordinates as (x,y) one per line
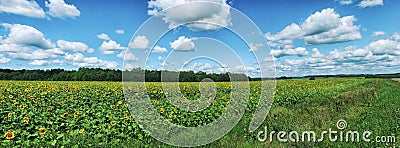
(58,8)
(160,58)
(74,46)
(30,54)
(299,51)
(3,59)
(159,49)
(370,3)
(378,33)
(254,47)
(128,56)
(320,22)
(26,35)
(205,13)
(386,46)
(120,31)
(103,36)
(345,2)
(346,31)
(139,42)
(396,36)
(27,8)
(322,27)
(109,47)
(40,62)
(182,44)
(81,61)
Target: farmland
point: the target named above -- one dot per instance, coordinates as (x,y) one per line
(45,113)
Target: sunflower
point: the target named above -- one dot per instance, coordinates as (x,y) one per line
(81,131)
(42,131)
(161,110)
(113,122)
(15,103)
(9,135)
(10,96)
(10,115)
(26,119)
(126,105)
(65,115)
(1,95)
(113,106)
(76,113)
(120,102)
(126,116)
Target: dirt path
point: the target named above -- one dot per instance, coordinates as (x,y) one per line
(396,79)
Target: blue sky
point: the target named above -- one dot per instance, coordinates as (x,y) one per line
(302,37)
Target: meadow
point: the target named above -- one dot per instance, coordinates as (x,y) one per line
(95,114)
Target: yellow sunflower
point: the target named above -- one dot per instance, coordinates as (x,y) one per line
(42,131)
(120,102)
(113,106)
(10,115)
(65,115)
(81,131)
(10,96)
(9,135)
(26,119)
(113,122)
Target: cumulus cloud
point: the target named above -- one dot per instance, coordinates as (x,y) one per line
(26,35)
(109,47)
(58,8)
(120,31)
(385,46)
(254,47)
(80,60)
(370,3)
(3,59)
(299,51)
(159,49)
(378,33)
(139,42)
(27,8)
(376,57)
(396,36)
(31,54)
(345,2)
(182,44)
(127,56)
(74,46)
(40,62)
(346,31)
(322,27)
(103,36)
(205,14)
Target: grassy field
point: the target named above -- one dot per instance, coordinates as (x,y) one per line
(87,114)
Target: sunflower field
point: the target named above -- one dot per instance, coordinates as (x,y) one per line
(87,114)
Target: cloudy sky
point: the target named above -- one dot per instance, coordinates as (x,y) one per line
(302,37)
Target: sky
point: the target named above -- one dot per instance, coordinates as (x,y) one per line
(257,37)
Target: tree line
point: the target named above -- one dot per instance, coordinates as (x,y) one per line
(99,74)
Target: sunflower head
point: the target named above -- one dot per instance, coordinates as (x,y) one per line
(81,131)
(9,135)
(10,96)
(26,119)
(113,122)
(65,115)
(120,102)
(10,115)
(76,113)
(42,131)
(113,106)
